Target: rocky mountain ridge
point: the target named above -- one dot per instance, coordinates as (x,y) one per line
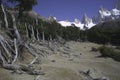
(103,16)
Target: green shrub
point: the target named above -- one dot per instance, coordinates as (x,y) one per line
(94,49)
(118,47)
(109,52)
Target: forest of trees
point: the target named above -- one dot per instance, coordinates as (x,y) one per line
(107,32)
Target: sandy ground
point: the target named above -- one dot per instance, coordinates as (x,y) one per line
(66,67)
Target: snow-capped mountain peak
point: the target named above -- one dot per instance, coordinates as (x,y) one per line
(117,6)
(107,15)
(88,23)
(103,15)
(86,20)
(104,12)
(115,11)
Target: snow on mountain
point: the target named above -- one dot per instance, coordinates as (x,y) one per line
(86,22)
(115,11)
(77,23)
(51,18)
(104,12)
(65,23)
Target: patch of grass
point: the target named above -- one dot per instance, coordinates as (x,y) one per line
(109,52)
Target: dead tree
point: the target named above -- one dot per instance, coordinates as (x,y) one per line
(33,33)
(17,35)
(27,32)
(5,16)
(9,52)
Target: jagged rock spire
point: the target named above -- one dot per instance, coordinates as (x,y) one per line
(86,20)
(117,6)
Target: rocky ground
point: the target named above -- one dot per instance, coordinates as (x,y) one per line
(67,62)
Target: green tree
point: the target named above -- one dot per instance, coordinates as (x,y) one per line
(23,5)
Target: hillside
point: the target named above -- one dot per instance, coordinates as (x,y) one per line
(107,32)
(35,48)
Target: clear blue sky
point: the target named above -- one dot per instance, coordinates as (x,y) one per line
(71,9)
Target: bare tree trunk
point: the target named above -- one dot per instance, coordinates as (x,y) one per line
(43,36)
(6,50)
(33,53)
(3,44)
(36,21)
(26,45)
(15,28)
(2,58)
(0,23)
(10,47)
(16,51)
(5,16)
(27,34)
(29,31)
(38,35)
(33,33)
(50,38)
(33,61)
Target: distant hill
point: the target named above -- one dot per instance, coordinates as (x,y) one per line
(107,32)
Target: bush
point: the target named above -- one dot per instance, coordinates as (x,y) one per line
(118,47)
(109,52)
(94,49)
